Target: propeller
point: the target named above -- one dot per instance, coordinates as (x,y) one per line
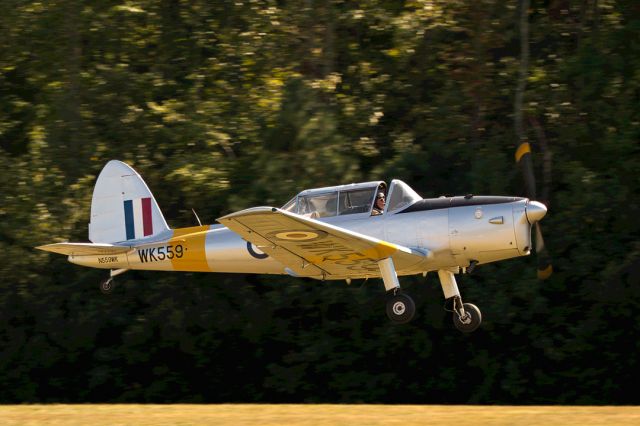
(535,209)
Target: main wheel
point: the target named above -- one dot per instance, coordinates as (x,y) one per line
(470,321)
(400,308)
(107,285)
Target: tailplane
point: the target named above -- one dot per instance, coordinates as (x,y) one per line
(122,207)
(84,249)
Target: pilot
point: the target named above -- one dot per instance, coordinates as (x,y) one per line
(378,206)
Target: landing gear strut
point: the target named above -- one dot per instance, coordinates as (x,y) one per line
(466,316)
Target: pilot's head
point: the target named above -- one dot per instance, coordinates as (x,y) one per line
(380,200)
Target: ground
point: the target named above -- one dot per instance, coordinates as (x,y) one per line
(304,415)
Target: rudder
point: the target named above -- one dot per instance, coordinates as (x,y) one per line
(122,207)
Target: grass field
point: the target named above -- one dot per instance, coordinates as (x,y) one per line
(306,415)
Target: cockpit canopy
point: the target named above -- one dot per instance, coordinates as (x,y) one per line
(356,198)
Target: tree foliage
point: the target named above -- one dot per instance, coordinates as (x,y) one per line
(230,104)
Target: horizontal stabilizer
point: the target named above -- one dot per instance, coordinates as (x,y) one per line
(84,249)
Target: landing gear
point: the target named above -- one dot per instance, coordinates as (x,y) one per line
(400,308)
(107,285)
(466,316)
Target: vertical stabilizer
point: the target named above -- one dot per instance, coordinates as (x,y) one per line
(122,207)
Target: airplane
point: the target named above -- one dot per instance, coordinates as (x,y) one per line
(329,233)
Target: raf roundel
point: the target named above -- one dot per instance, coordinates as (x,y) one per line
(296,235)
(256,253)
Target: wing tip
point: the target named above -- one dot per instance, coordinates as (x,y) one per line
(48,247)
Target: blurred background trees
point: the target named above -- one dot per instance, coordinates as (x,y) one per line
(231,104)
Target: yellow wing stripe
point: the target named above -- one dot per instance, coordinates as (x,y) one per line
(523,149)
(382,250)
(194,256)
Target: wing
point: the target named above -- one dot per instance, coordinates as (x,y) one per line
(312,248)
(84,249)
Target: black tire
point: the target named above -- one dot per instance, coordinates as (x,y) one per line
(400,308)
(107,285)
(472,320)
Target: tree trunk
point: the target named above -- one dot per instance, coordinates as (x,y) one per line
(523,153)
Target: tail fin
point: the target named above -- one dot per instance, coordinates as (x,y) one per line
(122,207)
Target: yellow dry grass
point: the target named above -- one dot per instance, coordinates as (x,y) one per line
(306,415)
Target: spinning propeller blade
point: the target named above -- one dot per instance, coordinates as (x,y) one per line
(545,269)
(523,157)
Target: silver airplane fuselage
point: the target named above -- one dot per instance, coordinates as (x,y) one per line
(454,231)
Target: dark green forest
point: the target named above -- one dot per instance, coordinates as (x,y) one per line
(223,105)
